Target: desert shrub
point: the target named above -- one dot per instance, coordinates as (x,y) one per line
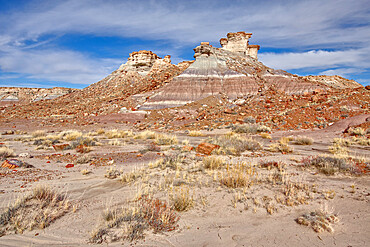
(280,147)
(263,128)
(271,164)
(83,159)
(235,144)
(181,199)
(71,135)
(363,141)
(238,175)
(36,210)
(130,223)
(131,176)
(319,220)
(250,128)
(84,141)
(100,131)
(330,165)
(302,140)
(342,142)
(115,142)
(338,149)
(213,162)
(250,120)
(38,133)
(85,172)
(357,131)
(112,173)
(162,139)
(118,133)
(266,135)
(6,152)
(195,133)
(147,134)
(172,162)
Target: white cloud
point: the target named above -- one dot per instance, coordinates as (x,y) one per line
(57,65)
(314,59)
(339,25)
(342,71)
(282,23)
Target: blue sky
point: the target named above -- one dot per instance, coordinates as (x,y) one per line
(74,43)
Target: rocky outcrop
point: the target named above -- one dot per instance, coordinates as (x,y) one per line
(239,43)
(18,95)
(142,62)
(230,73)
(334,81)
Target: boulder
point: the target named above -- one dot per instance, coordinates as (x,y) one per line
(206,148)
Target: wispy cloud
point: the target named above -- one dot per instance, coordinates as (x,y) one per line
(316,59)
(322,34)
(57,65)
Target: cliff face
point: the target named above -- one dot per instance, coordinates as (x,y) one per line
(17,95)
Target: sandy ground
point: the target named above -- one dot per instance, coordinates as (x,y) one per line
(215,223)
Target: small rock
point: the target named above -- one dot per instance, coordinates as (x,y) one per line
(206,148)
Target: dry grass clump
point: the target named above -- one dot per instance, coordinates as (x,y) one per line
(172,162)
(302,140)
(162,139)
(118,133)
(319,220)
(357,131)
(238,175)
(112,173)
(233,144)
(251,128)
(271,164)
(115,142)
(72,135)
(265,136)
(363,141)
(131,176)
(338,149)
(342,142)
(147,134)
(280,147)
(38,133)
(213,162)
(34,211)
(181,199)
(6,152)
(330,165)
(83,159)
(130,223)
(85,172)
(195,133)
(84,141)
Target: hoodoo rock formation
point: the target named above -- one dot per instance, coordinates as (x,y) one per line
(233,71)
(239,43)
(142,62)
